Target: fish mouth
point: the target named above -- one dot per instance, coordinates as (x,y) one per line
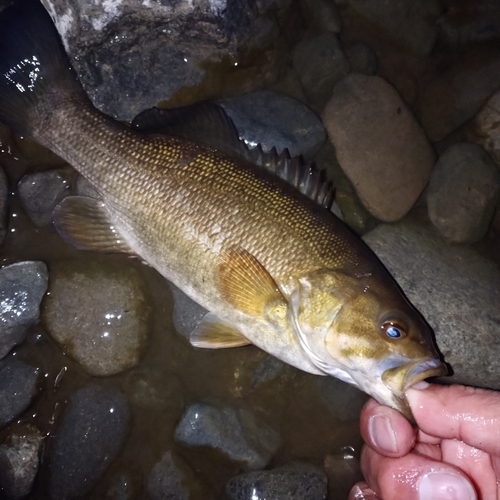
(400,378)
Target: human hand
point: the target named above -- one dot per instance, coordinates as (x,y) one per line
(454,454)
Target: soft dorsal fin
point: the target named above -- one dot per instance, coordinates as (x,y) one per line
(246,284)
(213,333)
(84,222)
(209,124)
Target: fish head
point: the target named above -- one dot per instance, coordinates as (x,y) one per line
(363,331)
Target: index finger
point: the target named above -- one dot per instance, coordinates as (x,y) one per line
(458,412)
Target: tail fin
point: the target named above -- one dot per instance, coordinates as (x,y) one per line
(32,63)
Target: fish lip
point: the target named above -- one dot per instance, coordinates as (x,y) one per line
(421,370)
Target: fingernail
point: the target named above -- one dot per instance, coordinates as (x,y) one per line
(382,434)
(445,486)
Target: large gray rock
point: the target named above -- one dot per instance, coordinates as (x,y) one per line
(320,63)
(87,441)
(17,388)
(379,145)
(273,119)
(410,23)
(22,286)
(237,433)
(19,460)
(4,195)
(299,481)
(130,55)
(99,313)
(456,290)
(484,128)
(41,192)
(463,193)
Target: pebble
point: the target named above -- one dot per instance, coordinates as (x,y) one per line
(19,460)
(297,481)
(362,59)
(22,286)
(18,382)
(41,192)
(379,145)
(98,311)
(276,120)
(235,432)
(4,198)
(463,193)
(87,440)
(484,128)
(172,479)
(456,290)
(319,63)
(321,15)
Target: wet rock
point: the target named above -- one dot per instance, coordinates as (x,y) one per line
(187,313)
(273,119)
(344,400)
(19,461)
(343,471)
(17,388)
(411,24)
(99,313)
(172,479)
(4,196)
(149,388)
(485,127)
(455,289)
(379,145)
(362,59)
(299,481)
(130,55)
(41,192)
(237,433)
(451,98)
(87,441)
(463,193)
(22,286)
(123,486)
(320,63)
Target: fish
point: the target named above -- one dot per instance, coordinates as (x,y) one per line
(272,266)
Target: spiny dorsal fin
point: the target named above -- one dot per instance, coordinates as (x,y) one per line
(84,222)
(209,124)
(245,283)
(213,333)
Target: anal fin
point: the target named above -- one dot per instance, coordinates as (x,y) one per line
(213,333)
(84,223)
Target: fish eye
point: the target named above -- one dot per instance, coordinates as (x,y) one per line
(393,330)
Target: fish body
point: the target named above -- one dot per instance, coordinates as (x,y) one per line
(273,267)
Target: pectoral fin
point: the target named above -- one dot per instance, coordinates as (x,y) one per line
(213,333)
(84,222)
(246,284)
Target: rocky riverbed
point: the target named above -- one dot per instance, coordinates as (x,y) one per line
(101,394)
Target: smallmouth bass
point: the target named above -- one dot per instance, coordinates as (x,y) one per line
(273,267)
